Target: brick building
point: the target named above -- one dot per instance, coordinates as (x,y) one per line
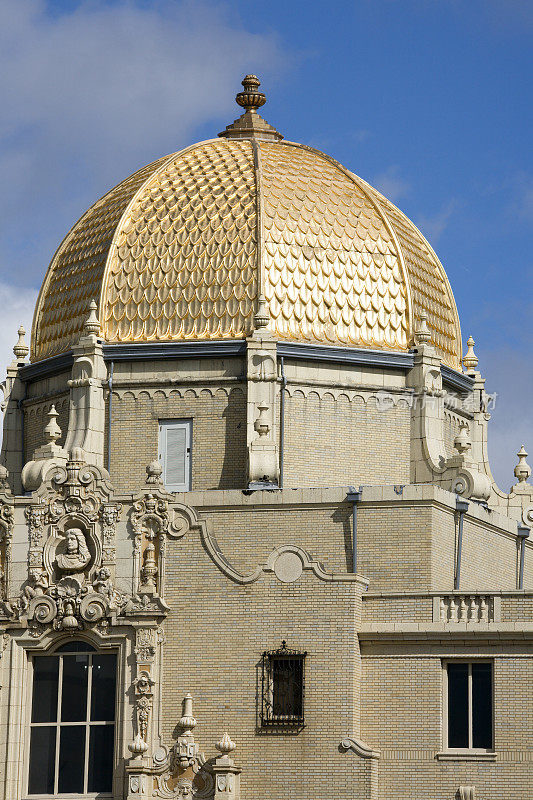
(246,481)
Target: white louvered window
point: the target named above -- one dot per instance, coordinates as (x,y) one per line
(175,437)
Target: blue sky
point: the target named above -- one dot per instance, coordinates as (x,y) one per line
(429,100)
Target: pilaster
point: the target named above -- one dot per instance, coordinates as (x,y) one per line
(87,409)
(261,422)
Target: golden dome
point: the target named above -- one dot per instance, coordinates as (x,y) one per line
(183,248)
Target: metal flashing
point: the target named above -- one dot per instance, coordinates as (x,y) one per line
(144,351)
(456,380)
(347,355)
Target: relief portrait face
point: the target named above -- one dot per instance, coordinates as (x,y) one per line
(76,554)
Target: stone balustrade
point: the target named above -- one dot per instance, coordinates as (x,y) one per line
(466,608)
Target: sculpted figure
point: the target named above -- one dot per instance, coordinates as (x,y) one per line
(77,555)
(37,585)
(102,583)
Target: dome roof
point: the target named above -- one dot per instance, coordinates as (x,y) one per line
(185,247)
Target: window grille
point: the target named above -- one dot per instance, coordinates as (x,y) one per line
(283,688)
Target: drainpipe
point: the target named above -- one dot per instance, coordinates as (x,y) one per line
(110,386)
(353,497)
(523,534)
(282,422)
(462,508)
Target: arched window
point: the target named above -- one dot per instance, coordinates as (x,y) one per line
(72,721)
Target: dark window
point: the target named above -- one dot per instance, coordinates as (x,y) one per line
(470,705)
(282,688)
(72,722)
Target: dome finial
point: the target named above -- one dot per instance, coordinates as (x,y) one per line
(251,99)
(251,124)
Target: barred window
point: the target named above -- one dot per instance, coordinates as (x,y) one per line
(282,688)
(72,722)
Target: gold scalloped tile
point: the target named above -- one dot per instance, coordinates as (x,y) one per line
(428,283)
(75,275)
(310,237)
(205,201)
(184,261)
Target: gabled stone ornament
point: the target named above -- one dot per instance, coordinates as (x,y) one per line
(45,457)
(522,471)
(470,360)
(250,124)
(21,349)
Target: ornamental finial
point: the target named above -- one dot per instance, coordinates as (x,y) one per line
(251,99)
(92,324)
(52,430)
(225,745)
(422,332)
(522,471)
(187,721)
(21,349)
(470,360)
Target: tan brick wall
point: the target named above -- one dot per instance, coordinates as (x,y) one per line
(218,441)
(394,546)
(401,709)
(215,636)
(334,442)
(248,536)
(397,609)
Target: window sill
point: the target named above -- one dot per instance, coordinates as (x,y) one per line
(466,755)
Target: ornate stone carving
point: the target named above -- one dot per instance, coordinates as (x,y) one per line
(70,582)
(155,517)
(145,643)
(186,773)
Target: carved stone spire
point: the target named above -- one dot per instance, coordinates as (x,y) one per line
(52,430)
(251,124)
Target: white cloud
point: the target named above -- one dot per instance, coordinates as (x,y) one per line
(87,97)
(433,227)
(91,94)
(391,184)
